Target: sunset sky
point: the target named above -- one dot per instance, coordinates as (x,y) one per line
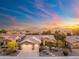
(38,13)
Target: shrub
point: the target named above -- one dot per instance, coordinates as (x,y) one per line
(12,46)
(1,41)
(50,44)
(61,43)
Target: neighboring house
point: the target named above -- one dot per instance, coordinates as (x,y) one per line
(49,38)
(72,40)
(76,45)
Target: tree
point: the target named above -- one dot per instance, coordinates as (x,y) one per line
(60,37)
(28,32)
(35,33)
(46,32)
(68,34)
(3,31)
(1,41)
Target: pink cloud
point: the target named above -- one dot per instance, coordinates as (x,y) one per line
(14,22)
(76,11)
(75,8)
(21,25)
(41,8)
(42,15)
(10,18)
(38,6)
(25,9)
(44,11)
(21,13)
(30,17)
(12,10)
(54,16)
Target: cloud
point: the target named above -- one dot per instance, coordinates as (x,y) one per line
(75,9)
(38,5)
(54,16)
(10,19)
(13,23)
(10,22)
(45,11)
(22,25)
(60,4)
(25,9)
(57,17)
(31,12)
(15,11)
